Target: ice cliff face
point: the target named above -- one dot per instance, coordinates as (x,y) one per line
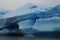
(33,16)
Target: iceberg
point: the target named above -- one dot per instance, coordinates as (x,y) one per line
(30,15)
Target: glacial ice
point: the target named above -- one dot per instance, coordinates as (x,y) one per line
(33,16)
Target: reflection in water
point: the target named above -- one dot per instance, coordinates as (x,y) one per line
(25,38)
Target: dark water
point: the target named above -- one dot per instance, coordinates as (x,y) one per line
(25,38)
